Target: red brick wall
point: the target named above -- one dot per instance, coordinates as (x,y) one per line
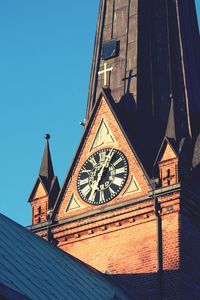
(123,251)
(39,205)
(126,247)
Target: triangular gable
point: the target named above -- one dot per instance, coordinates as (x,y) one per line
(39,190)
(167,151)
(103,113)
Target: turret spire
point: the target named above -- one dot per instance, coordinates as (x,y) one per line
(45,190)
(46,168)
(171,130)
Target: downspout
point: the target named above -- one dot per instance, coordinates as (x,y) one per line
(157,210)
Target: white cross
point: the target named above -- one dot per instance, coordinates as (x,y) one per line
(104,71)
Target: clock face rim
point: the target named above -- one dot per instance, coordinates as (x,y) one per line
(123,179)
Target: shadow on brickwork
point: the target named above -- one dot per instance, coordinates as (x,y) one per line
(150,286)
(173,286)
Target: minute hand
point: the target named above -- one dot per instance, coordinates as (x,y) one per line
(108,158)
(104,165)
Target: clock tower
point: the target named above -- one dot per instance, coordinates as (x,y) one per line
(129,205)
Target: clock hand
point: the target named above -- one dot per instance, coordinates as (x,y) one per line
(94,189)
(95,184)
(108,158)
(105,164)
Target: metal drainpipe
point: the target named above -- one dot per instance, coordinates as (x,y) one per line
(157,210)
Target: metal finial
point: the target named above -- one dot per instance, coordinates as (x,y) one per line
(82,123)
(47,136)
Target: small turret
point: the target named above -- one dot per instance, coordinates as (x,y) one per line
(45,190)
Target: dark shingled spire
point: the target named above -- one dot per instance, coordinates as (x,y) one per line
(171,130)
(153,49)
(46,169)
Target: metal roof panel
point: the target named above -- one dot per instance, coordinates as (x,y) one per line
(36,269)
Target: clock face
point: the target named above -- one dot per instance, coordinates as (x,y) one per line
(102,176)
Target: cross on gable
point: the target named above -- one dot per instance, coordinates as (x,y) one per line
(168,177)
(39,213)
(105,71)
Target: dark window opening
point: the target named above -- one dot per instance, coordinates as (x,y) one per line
(168,177)
(39,210)
(110,49)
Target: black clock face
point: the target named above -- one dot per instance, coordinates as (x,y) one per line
(102,176)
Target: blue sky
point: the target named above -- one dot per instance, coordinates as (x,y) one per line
(45,59)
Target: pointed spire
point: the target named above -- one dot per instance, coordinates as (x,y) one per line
(171,130)
(46,168)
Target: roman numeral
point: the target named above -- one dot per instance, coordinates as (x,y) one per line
(83,181)
(84,170)
(117,181)
(86,190)
(92,195)
(102,155)
(93,161)
(111,191)
(101,197)
(120,170)
(117,161)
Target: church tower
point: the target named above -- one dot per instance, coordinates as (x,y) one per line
(129,205)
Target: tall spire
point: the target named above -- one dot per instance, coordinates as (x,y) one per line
(46,168)
(153,49)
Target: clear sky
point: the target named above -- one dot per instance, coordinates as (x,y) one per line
(46,51)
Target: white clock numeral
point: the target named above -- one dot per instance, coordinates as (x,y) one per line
(102,199)
(84,170)
(117,161)
(83,181)
(92,195)
(111,191)
(93,161)
(86,190)
(102,155)
(120,170)
(118,181)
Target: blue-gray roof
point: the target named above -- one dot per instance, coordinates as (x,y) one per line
(31,268)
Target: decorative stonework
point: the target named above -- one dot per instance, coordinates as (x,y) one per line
(103,136)
(132,187)
(73,204)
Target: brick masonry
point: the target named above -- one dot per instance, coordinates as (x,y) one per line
(122,238)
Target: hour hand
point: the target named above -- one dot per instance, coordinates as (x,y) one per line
(108,158)
(92,194)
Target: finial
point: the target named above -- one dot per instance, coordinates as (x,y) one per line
(47,136)
(82,123)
